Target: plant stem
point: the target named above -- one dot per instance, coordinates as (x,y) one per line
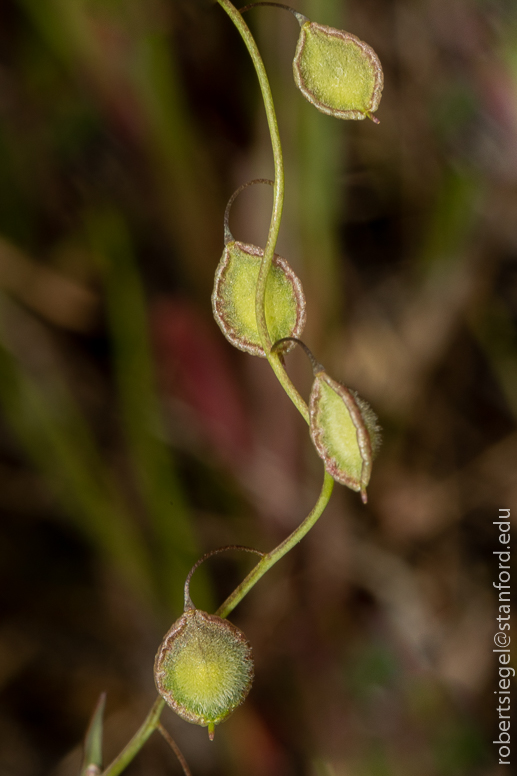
(276,214)
(152,721)
(175,748)
(149,725)
(272,557)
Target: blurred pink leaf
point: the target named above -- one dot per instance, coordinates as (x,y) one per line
(193,367)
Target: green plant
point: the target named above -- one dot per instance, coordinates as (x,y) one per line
(204,669)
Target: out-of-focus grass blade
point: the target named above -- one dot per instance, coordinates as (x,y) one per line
(92,762)
(166,134)
(182,171)
(321,141)
(450,222)
(61,24)
(56,439)
(497,335)
(153,466)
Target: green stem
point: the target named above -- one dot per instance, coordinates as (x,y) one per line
(152,721)
(272,557)
(276,214)
(149,725)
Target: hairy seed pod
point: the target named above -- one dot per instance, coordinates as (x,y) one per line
(204,668)
(233,298)
(338,73)
(344,431)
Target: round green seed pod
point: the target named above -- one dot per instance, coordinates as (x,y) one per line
(233,298)
(204,668)
(338,73)
(345,433)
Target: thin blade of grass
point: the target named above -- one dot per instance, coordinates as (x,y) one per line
(56,439)
(153,465)
(92,762)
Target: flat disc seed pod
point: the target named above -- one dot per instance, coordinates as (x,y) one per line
(204,668)
(233,298)
(343,427)
(344,431)
(338,73)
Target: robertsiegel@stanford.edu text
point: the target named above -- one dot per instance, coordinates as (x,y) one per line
(502,639)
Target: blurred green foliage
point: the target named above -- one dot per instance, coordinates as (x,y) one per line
(132,439)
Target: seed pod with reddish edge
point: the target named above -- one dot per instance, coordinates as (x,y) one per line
(204,666)
(344,431)
(233,298)
(343,427)
(338,73)
(235,288)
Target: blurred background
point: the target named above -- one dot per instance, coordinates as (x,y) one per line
(133,438)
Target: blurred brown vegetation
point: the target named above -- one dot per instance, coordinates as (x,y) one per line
(133,438)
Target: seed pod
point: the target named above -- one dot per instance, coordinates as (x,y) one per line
(233,298)
(343,427)
(344,431)
(204,668)
(338,73)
